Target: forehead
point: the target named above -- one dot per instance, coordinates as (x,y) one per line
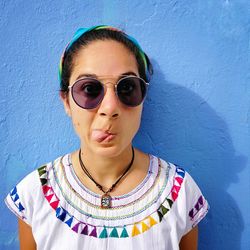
(106,57)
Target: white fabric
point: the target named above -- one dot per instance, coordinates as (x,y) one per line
(81,208)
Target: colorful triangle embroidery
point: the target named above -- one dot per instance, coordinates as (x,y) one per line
(170,202)
(76,227)
(54,198)
(124,233)
(152,222)
(197,206)
(13,191)
(160,215)
(42,170)
(43,181)
(114,233)
(200,200)
(104,233)
(54,204)
(176,188)
(49,197)
(46,188)
(179,180)
(58,211)
(85,230)
(144,227)
(135,231)
(44,176)
(69,221)
(174,195)
(191,213)
(16,197)
(180,172)
(61,214)
(164,210)
(20,207)
(93,233)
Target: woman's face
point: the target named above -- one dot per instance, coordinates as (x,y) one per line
(108,129)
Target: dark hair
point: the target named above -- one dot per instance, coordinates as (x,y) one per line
(102,34)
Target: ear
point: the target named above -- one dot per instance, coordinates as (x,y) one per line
(65,100)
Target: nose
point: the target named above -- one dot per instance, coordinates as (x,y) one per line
(110,105)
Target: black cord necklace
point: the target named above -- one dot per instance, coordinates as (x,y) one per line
(106,198)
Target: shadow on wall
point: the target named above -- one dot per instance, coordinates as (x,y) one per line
(179,126)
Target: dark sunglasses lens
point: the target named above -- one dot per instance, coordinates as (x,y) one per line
(87,93)
(131,91)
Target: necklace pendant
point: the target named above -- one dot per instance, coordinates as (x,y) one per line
(106,201)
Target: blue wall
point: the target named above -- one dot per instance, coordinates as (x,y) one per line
(197,113)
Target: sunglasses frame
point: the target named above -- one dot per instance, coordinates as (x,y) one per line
(124,77)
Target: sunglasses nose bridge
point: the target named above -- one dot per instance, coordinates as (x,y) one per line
(109,84)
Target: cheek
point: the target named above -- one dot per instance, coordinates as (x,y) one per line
(76,124)
(81,124)
(135,122)
(78,115)
(138,121)
(81,119)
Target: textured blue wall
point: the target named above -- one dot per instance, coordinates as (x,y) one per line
(197,113)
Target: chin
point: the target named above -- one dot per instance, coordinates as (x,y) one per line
(108,150)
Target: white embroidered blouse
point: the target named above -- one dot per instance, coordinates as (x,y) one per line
(64,214)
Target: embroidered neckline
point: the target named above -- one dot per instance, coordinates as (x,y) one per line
(118,197)
(103,231)
(59,172)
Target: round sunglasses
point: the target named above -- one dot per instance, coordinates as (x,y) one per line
(89,92)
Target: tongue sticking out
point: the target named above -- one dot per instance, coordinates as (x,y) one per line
(100,136)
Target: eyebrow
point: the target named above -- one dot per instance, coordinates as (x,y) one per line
(129,73)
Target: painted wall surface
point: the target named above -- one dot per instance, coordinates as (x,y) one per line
(197,113)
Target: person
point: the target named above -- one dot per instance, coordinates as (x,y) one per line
(107,194)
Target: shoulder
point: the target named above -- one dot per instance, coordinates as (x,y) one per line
(179,177)
(189,204)
(28,193)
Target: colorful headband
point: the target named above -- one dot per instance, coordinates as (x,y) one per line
(82,31)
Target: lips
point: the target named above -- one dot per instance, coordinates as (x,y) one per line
(102,136)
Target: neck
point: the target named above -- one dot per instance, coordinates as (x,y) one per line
(106,170)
